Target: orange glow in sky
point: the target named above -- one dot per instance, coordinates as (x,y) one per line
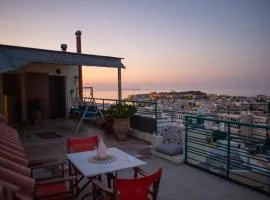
(166,44)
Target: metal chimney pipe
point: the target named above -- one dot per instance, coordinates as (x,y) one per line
(79,50)
(64,47)
(78,40)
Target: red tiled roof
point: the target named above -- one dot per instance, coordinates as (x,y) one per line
(15,176)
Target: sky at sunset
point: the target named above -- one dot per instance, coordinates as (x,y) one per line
(174,44)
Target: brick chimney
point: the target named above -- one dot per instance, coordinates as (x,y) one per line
(79,50)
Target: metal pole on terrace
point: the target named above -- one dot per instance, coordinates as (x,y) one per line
(156,129)
(119,86)
(228,152)
(186,139)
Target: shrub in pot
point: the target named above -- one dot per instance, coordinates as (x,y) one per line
(121,114)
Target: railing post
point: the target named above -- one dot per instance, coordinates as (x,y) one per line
(186,137)
(103,107)
(156,117)
(228,150)
(172,117)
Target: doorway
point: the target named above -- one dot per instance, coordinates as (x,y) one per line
(57,96)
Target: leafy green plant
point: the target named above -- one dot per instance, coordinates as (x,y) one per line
(121,111)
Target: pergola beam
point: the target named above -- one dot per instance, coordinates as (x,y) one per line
(119,86)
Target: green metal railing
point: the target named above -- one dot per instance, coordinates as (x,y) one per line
(236,151)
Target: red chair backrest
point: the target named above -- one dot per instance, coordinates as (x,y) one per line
(134,189)
(82,144)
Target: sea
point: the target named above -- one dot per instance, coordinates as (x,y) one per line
(113,94)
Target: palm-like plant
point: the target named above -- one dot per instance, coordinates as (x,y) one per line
(121,111)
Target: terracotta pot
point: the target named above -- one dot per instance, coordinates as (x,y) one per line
(121,128)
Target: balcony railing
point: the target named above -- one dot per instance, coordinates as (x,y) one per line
(236,151)
(233,150)
(148,118)
(145,119)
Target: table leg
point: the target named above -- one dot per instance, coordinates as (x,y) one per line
(110,179)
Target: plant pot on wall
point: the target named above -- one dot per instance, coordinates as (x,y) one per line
(121,128)
(121,114)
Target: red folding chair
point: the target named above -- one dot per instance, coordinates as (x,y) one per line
(75,145)
(56,189)
(130,189)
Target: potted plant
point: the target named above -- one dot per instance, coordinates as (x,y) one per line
(121,114)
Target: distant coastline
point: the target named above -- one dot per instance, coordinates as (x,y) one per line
(113,94)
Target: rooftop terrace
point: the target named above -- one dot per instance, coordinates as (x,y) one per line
(48,140)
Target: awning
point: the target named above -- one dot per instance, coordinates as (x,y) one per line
(13,57)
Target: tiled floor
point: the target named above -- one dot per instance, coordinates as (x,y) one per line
(178,181)
(37,147)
